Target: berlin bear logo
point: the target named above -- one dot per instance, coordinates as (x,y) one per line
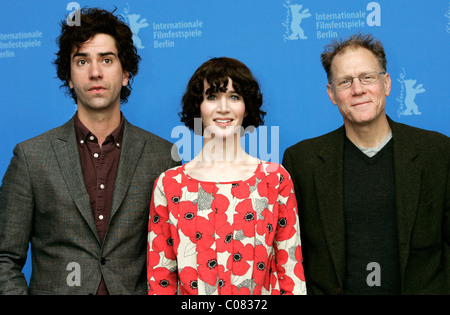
(294,18)
(407,96)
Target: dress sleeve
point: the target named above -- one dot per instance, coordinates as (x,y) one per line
(161,259)
(288,251)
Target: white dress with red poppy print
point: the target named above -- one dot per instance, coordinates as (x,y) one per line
(228,238)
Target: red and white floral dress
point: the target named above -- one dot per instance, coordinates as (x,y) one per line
(237,237)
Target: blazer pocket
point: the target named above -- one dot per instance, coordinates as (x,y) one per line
(427,230)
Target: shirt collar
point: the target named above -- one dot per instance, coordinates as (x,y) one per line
(84,135)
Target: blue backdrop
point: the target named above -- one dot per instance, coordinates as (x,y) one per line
(280,41)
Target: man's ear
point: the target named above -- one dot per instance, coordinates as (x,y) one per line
(331,94)
(387,84)
(126,78)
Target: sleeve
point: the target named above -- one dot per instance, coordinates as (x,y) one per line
(16,215)
(287,163)
(446,228)
(288,251)
(161,258)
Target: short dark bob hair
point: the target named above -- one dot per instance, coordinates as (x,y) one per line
(95,21)
(216,73)
(366,41)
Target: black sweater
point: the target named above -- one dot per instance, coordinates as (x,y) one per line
(370,222)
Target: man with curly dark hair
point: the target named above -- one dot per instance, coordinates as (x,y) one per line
(80,193)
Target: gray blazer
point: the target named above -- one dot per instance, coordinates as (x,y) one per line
(422,187)
(43,201)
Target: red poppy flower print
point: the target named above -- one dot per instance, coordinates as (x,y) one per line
(209,187)
(225,241)
(240,190)
(152,260)
(187,219)
(267,226)
(163,282)
(268,187)
(286,223)
(271,280)
(282,257)
(298,269)
(189,281)
(172,190)
(171,173)
(219,206)
(273,168)
(236,238)
(158,217)
(224,280)
(164,242)
(238,260)
(191,185)
(245,218)
(204,236)
(261,264)
(286,285)
(207,266)
(240,290)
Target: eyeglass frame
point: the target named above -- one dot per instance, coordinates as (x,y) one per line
(358,77)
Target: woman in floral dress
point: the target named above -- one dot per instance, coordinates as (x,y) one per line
(225,222)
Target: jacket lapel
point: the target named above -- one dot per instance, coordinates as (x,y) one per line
(408,172)
(329,186)
(66,152)
(132,147)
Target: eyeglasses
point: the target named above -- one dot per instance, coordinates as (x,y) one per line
(364,78)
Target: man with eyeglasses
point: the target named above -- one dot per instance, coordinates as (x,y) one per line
(374,195)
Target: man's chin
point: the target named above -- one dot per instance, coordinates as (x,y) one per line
(98,102)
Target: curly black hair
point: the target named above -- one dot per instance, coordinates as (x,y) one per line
(96,21)
(216,73)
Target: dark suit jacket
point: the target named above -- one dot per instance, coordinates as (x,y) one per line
(422,183)
(43,201)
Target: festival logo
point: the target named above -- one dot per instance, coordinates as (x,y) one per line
(328,24)
(294,18)
(135,23)
(12,43)
(165,34)
(407,96)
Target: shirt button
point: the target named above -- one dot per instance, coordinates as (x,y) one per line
(91,138)
(81,141)
(118,144)
(100,217)
(102,186)
(96,155)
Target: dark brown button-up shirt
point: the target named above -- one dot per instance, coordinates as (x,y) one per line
(99,165)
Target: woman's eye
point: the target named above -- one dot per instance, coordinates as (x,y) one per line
(211,97)
(235,97)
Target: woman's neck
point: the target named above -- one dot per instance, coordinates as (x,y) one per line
(222,161)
